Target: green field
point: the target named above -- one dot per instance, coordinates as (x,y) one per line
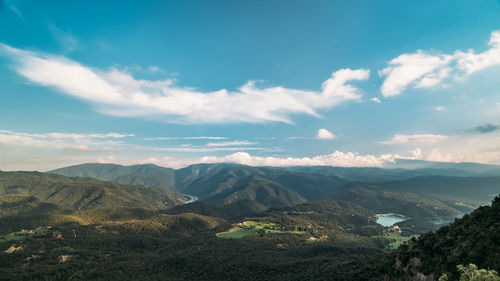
(253,228)
(242,232)
(22,235)
(398,239)
(268,227)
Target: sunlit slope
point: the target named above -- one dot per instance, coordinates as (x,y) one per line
(84,193)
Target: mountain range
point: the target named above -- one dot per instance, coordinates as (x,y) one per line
(450,189)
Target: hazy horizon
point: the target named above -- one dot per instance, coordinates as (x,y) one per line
(387,165)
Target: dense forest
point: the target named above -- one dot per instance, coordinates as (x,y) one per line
(78,228)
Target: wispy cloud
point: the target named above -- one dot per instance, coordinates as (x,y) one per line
(296,138)
(118,93)
(415,139)
(376,100)
(81,142)
(86,148)
(229,143)
(13,8)
(185,138)
(154,69)
(425,70)
(66,38)
(52,150)
(198,149)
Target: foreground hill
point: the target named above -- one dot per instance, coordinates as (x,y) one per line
(81,193)
(178,244)
(475,238)
(327,217)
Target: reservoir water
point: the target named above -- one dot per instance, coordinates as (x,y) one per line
(191,199)
(390,219)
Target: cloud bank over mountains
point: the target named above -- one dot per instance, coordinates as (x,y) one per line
(337,158)
(45,151)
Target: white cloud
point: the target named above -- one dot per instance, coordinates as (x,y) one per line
(325,134)
(229,143)
(415,154)
(337,158)
(118,93)
(415,139)
(167,161)
(436,155)
(375,99)
(471,62)
(424,70)
(440,108)
(107,160)
(409,68)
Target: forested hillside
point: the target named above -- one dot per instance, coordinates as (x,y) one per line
(475,239)
(81,193)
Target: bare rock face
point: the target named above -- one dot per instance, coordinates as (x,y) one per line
(410,272)
(64,258)
(33,257)
(13,249)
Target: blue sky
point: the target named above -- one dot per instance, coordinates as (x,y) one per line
(348,83)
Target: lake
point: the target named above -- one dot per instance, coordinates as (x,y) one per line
(390,219)
(192,198)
